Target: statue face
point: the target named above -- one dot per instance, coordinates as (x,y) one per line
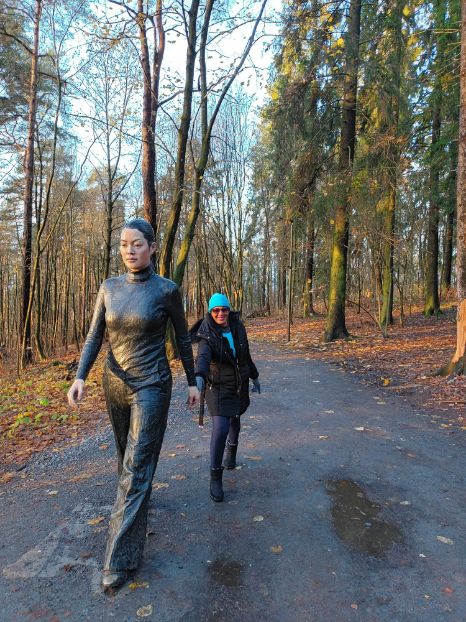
(135,250)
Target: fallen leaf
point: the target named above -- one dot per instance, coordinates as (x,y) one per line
(445,540)
(447,590)
(81,476)
(178,477)
(354,606)
(96,521)
(145,612)
(171,455)
(103,446)
(257,458)
(258,518)
(6,477)
(159,485)
(277,549)
(137,584)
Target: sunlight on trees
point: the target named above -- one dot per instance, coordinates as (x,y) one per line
(153,109)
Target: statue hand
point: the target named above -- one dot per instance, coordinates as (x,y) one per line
(194,397)
(75,393)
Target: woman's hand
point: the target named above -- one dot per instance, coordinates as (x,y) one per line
(75,393)
(194,397)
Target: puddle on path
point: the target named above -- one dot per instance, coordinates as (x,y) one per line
(355,518)
(227,572)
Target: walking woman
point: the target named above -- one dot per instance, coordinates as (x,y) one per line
(223,369)
(135,308)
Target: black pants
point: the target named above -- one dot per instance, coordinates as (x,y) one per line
(139,420)
(223,428)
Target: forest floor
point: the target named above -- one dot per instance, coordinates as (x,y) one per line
(34,414)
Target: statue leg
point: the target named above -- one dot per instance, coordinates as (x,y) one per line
(117,397)
(128,521)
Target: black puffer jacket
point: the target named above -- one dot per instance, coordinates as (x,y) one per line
(226,376)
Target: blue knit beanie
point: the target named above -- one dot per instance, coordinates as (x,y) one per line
(218,300)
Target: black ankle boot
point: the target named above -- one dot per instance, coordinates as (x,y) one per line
(229,460)
(216,490)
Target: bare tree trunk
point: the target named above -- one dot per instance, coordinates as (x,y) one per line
(265,281)
(25,353)
(388,247)
(457,363)
(308,305)
(432,301)
(449,228)
(448,252)
(84,294)
(109,204)
(394,18)
(207,127)
(150,101)
(183,135)
(336,325)
(38,333)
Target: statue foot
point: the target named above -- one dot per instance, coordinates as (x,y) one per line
(113,578)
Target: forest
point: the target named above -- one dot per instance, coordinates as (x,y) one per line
(304,157)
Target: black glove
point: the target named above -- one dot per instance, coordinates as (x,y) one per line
(200,383)
(256,385)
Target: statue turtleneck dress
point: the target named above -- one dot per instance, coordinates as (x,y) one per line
(135,308)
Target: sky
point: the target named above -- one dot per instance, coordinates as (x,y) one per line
(253,78)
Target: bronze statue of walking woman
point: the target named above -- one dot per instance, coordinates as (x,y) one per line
(134,308)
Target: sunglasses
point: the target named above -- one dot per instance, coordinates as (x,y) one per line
(218,310)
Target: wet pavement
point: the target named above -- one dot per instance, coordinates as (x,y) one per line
(356,520)
(347,505)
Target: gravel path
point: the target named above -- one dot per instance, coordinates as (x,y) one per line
(347,506)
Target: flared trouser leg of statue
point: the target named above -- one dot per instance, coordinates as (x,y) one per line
(117,397)
(141,416)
